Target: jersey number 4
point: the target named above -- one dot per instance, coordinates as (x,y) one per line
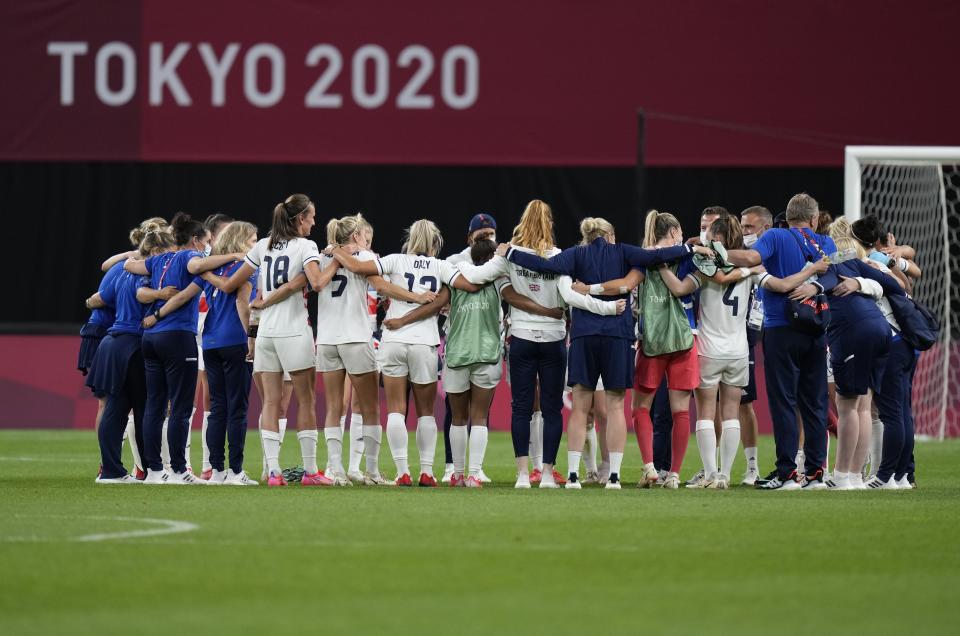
(729,300)
(276,271)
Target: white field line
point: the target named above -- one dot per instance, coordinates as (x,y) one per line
(165,527)
(53,459)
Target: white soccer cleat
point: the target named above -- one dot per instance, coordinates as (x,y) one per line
(482,476)
(856,482)
(156,477)
(217,478)
(904,483)
(719,482)
(340,479)
(447,473)
(186,478)
(523,481)
(697,480)
(377,479)
(750,477)
(650,477)
(672,482)
(592,477)
(356,477)
(126,479)
(239,479)
(613,483)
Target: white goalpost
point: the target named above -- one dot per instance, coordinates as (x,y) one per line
(915,192)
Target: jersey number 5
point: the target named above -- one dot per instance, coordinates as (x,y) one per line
(276,271)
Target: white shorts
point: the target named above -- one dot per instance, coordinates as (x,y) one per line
(418,362)
(480,374)
(356,357)
(276,354)
(200,365)
(732,372)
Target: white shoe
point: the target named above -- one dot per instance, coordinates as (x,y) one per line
(238,479)
(592,477)
(697,479)
(750,477)
(482,476)
(719,482)
(874,483)
(126,479)
(447,474)
(662,474)
(856,482)
(650,477)
(547,481)
(613,483)
(672,482)
(156,477)
(356,477)
(570,485)
(904,483)
(186,478)
(377,479)
(838,481)
(218,477)
(340,479)
(523,481)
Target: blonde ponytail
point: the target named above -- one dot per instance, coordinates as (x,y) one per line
(592,228)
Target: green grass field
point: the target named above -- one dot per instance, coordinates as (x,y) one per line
(496,561)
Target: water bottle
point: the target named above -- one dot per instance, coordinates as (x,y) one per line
(843,255)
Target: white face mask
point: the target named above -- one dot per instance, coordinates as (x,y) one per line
(207,249)
(749,239)
(703,237)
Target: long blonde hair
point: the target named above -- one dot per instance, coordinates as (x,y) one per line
(340,230)
(593,227)
(841,231)
(233,238)
(657,225)
(535,229)
(423,237)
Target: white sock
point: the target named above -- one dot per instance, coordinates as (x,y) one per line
(271,450)
(826,458)
(186,448)
(616,459)
(590,457)
(260,428)
(729,442)
(801,462)
(371,447)
(707,445)
(573,462)
(334,438)
(308,450)
(356,442)
(397,439)
(536,440)
(131,434)
(282,425)
(750,453)
(165,446)
(876,446)
(478,448)
(458,448)
(343,424)
(427,442)
(203,440)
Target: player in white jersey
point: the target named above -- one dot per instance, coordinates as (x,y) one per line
(410,353)
(722,344)
(345,344)
(284,339)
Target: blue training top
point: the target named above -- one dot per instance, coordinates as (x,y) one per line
(784,253)
(104,316)
(171,269)
(222,326)
(130,311)
(599,262)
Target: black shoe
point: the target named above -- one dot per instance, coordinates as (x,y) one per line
(814,481)
(790,483)
(771,475)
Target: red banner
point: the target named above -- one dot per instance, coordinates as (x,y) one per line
(749,82)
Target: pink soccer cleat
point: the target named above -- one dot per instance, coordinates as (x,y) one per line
(535,476)
(404,480)
(316,479)
(276,479)
(474,482)
(427,481)
(457,481)
(557,477)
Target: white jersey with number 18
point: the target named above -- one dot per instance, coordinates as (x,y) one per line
(418,274)
(277,267)
(342,306)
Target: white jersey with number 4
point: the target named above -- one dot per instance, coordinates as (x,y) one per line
(723,318)
(277,267)
(418,274)
(343,306)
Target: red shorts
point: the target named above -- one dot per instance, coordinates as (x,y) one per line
(682,369)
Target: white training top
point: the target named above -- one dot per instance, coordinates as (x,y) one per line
(723,318)
(548,290)
(343,306)
(418,274)
(278,267)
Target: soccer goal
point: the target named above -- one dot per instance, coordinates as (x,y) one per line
(915,191)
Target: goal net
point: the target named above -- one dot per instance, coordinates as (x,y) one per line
(915,191)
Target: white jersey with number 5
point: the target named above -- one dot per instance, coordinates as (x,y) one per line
(723,318)
(342,306)
(277,267)
(418,274)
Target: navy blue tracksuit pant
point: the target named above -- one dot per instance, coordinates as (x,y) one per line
(547,361)
(132,396)
(662,419)
(893,407)
(795,367)
(170,358)
(228,378)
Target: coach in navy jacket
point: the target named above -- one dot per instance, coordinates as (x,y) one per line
(795,363)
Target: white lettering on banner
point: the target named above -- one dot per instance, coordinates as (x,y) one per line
(66,51)
(128,87)
(164,73)
(369,78)
(277,75)
(218,69)
(318,97)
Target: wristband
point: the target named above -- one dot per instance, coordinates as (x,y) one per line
(156,314)
(903,264)
(596,288)
(745,272)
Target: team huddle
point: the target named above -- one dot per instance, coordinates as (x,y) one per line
(198,312)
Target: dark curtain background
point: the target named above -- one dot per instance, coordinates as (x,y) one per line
(64,218)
